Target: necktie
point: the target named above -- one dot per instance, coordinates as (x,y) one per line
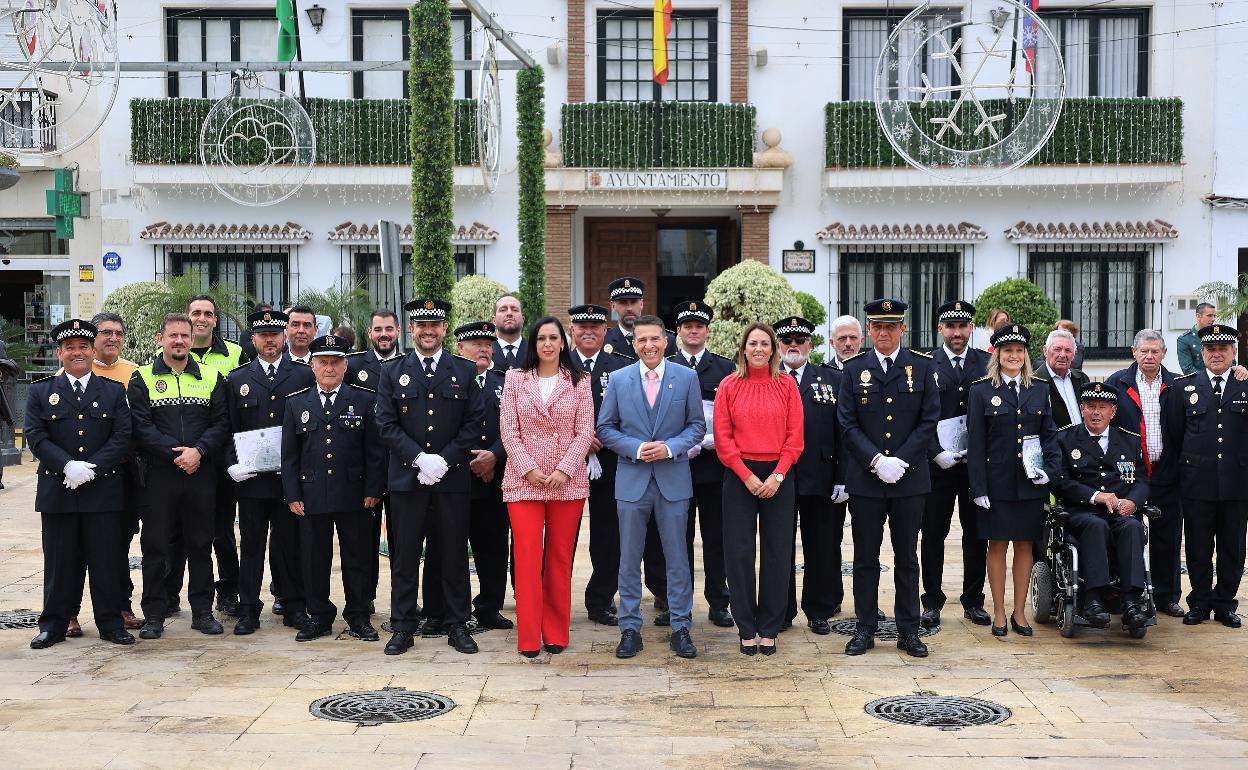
(1014,387)
(511,354)
(887,362)
(629,339)
(428,366)
(693,362)
(480,380)
(588,364)
(1217,386)
(328,398)
(272,371)
(957,363)
(652,386)
(795,377)
(78,388)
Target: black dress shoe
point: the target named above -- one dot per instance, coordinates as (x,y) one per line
(228,603)
(820,627)
(930,618)
(1135,615)
(400,643)
(492,620)
(749,649)
(372,608)
(768,649)
(207,624)
(682,645)
(664,618)
(604,617)
(120,636)
(46,639)
(835,611)
(246,625)
(278,607)
(530,654)
(860,643)
(1228,619)
(1094,612)
(1195,617)
(175,608)
(364,632)
(721,617)
(459,638)
(977,615)
(295,619)
(1019,629)
(431,627)
(1000,630)
(630,644)
(153,628)
(912,645)
(313,630)
(1174,610)
(554,649)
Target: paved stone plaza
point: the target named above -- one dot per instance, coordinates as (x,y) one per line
(1174,699)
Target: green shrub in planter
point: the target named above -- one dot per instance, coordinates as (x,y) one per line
(748,292)
(473,299)
(1026,303)
(142,305)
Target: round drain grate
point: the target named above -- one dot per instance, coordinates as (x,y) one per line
(847,568)
(19,619)
(136,562)
(884,629)
(939,711)
(374,707)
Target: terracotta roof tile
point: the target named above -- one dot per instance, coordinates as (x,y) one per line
(200,231)
(961,232)
(356,231)
(1152,230)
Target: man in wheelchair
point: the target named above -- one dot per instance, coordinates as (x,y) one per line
(1103,486)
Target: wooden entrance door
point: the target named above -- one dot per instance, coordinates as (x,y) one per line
(615,248)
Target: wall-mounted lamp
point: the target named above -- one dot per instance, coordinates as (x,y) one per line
(316,17)
(798,246)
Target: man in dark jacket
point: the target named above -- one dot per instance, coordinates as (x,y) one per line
(1065,381)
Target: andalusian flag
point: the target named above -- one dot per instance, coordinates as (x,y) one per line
(287,32)
(662,28)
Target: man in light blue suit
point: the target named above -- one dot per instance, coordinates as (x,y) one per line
(651,417)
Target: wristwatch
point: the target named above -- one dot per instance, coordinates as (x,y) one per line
(778,476)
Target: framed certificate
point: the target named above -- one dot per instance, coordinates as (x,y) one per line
(260,450)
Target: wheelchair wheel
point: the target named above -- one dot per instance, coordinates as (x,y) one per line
(1137,633)
(1041,593)
(1067,621)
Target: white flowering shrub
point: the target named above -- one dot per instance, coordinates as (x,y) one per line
(135,303)
(473,298)
(748,292)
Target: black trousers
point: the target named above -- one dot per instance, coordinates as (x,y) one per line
(758,604)
(1208,524)
(75,545)
(604,546)
(950,486)
(1165,545)
(268,524)
(1102,538)
(414,511)
(905,517)
(372,558)
(224,545)
(178,502)
(488,533)
(316,559)
(823,528)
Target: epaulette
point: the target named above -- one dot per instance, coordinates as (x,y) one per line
(1066,427)
(240,366)
(1039,379)
(985,378)
(301,363)
(53,377)
(465,360)
(624,356)
(398,357)
(354,385)
(920,353)
(297,392)
(356,353)
(1185,376)
(1124,430)
(856,355)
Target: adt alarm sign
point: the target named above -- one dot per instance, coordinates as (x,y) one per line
(112,261)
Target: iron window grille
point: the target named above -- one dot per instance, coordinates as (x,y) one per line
(381,85)
(361,265)
(1105,52)
(263,272)
(625,57)
(864,33)
(923,276)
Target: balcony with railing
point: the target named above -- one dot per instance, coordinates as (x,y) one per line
(28,120)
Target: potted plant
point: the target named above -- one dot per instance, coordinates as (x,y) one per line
(8,171)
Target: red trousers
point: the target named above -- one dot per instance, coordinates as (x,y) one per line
(543,534)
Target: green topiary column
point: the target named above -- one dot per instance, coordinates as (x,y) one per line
(531,112)
(431,83)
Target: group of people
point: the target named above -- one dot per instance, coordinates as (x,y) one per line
(495,450)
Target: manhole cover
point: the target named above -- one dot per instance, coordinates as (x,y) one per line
(136,562)
(375,707)
(19,619)
(884,629)
(939,711)
(847,568)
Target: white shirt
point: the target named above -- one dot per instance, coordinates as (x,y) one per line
(583,359)
(1150,410)
(437,356)
(333,394)
(700,355)
(891,363)
(393,353)
(1018,382)
(1226,377)
(799,371)
(1065,389)
(510,348)
(547,385)
(84,379)
(264,365)
(305,358)
(953,355)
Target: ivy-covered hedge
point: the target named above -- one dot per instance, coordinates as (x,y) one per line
(621,135)
(349,132)
(531,212)
(1090,130)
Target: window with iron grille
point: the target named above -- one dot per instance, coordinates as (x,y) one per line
(205,34)
(382,36)
(1105,52)
(1106,289)
(924,277)
(864,33)
(361,265)
(264,273)
(626,50)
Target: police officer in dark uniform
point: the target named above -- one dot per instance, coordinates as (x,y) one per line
(693,320)
(429,412)
(181,424)
(78,426)
(333,473)
(588,329)
(958,364)
(888,407)
(257,399)
(819,478)
(1214,415)
(628,302)
(1103,484)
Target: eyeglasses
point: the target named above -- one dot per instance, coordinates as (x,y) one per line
(109,333)
(802,340)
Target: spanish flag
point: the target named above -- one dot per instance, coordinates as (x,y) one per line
(662,28)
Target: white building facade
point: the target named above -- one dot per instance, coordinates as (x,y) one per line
(767,146)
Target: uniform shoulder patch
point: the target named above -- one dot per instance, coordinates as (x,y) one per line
(1129,432)
(920,353)
(855,356)
(53,377)
(297,392)
(354,385)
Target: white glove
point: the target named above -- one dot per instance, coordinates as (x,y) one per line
(946,460)
(961,455)
(891,469)
(594,467)
(694,451)
(431,465)
(839,495)
(239,473)
(426,479)
(1042,479)
(983,502)
(708,441)
(78,473)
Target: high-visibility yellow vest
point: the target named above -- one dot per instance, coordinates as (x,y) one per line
(173,389)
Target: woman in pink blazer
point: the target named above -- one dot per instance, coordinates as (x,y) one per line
(547,426)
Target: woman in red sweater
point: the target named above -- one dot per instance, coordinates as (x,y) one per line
(758,435)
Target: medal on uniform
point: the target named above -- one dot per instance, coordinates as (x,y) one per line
(1194,398)
(362,376)
(608,347)
(1190,387)
(404,380)
(996,401)
(1075,454)
(244,390)
(865,377)
(305,417)
(452,379)
(54,399)
(910,378)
